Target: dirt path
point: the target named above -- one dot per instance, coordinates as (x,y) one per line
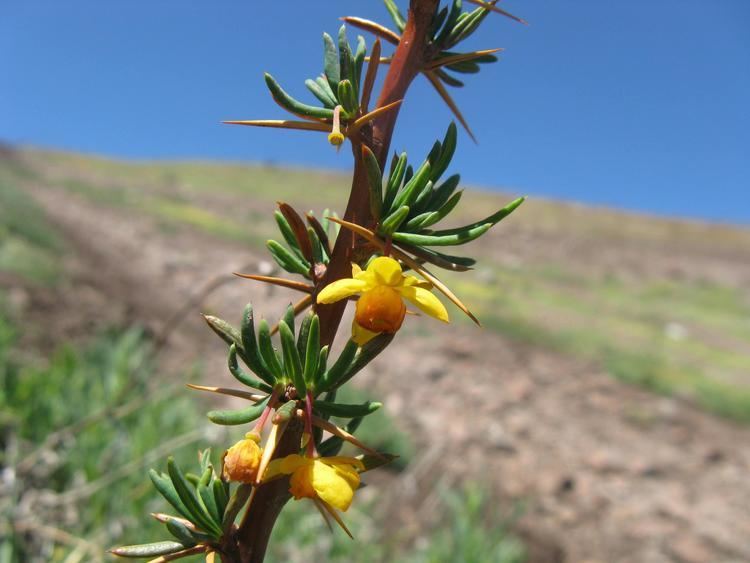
(609,473)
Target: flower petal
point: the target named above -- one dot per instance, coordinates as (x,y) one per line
(302,482)
(426,301)
(416,282)
(284,466)
(343,460)
(386,270)
(335,485)
(341,289)
(355,270)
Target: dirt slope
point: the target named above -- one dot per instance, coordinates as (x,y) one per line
(609,472)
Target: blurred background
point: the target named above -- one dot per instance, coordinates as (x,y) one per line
(600,414)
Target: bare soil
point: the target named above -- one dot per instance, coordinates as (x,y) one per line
(607,472)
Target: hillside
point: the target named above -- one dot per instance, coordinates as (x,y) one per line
(578,305)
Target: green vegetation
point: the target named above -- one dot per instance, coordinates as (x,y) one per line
(471,530)
(77,434)
(673,338)
(178,194)
(29,247)
(378,431)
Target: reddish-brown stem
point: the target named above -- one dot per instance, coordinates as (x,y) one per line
(410,56)
(267,411)
(407,62)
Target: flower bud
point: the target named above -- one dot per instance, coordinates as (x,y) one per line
(242,460)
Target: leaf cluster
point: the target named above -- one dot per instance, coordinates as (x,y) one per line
(408,203)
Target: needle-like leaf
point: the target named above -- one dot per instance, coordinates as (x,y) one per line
(497,10)
(340,432)
(435,81)
(282,124)
(372,72)
(291,284)
(374,28)
(367,118)
(459,57)
(254,397)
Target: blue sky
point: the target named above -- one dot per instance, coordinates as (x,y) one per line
(640,105)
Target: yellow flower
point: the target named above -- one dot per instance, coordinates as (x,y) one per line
(332,480)
(242,460)
(382,288)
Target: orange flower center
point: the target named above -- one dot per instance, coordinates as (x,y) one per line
(380,310)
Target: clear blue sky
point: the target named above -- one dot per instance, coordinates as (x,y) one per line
(641,105)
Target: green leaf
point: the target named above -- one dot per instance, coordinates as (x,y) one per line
(287,260)
(320,93)
(164,485)
(414,186)
(393,221)
(148,549)
(252,356)
(459,237)
(348,98)
(312,353)
(359,61)
(288,234)
(304,334)
(448,79)
(294,106)
(220,496)
(224,330)
(394,182)
(446,154)
(268,352)
(374,181)
(366,354)
(395,13)
(190,500)
(341,366)
(331,62)
(464,67)
(317,248)
(228,417)
(443,192)
(322,366)
(206,496)
(437,21)
(347,410)
(292,362)
(450,22)
(430,218)
(422,199)
(326,87)
(346,59)
(491,219)
(241,375)
(453,263)
(181,532)
(289,318)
